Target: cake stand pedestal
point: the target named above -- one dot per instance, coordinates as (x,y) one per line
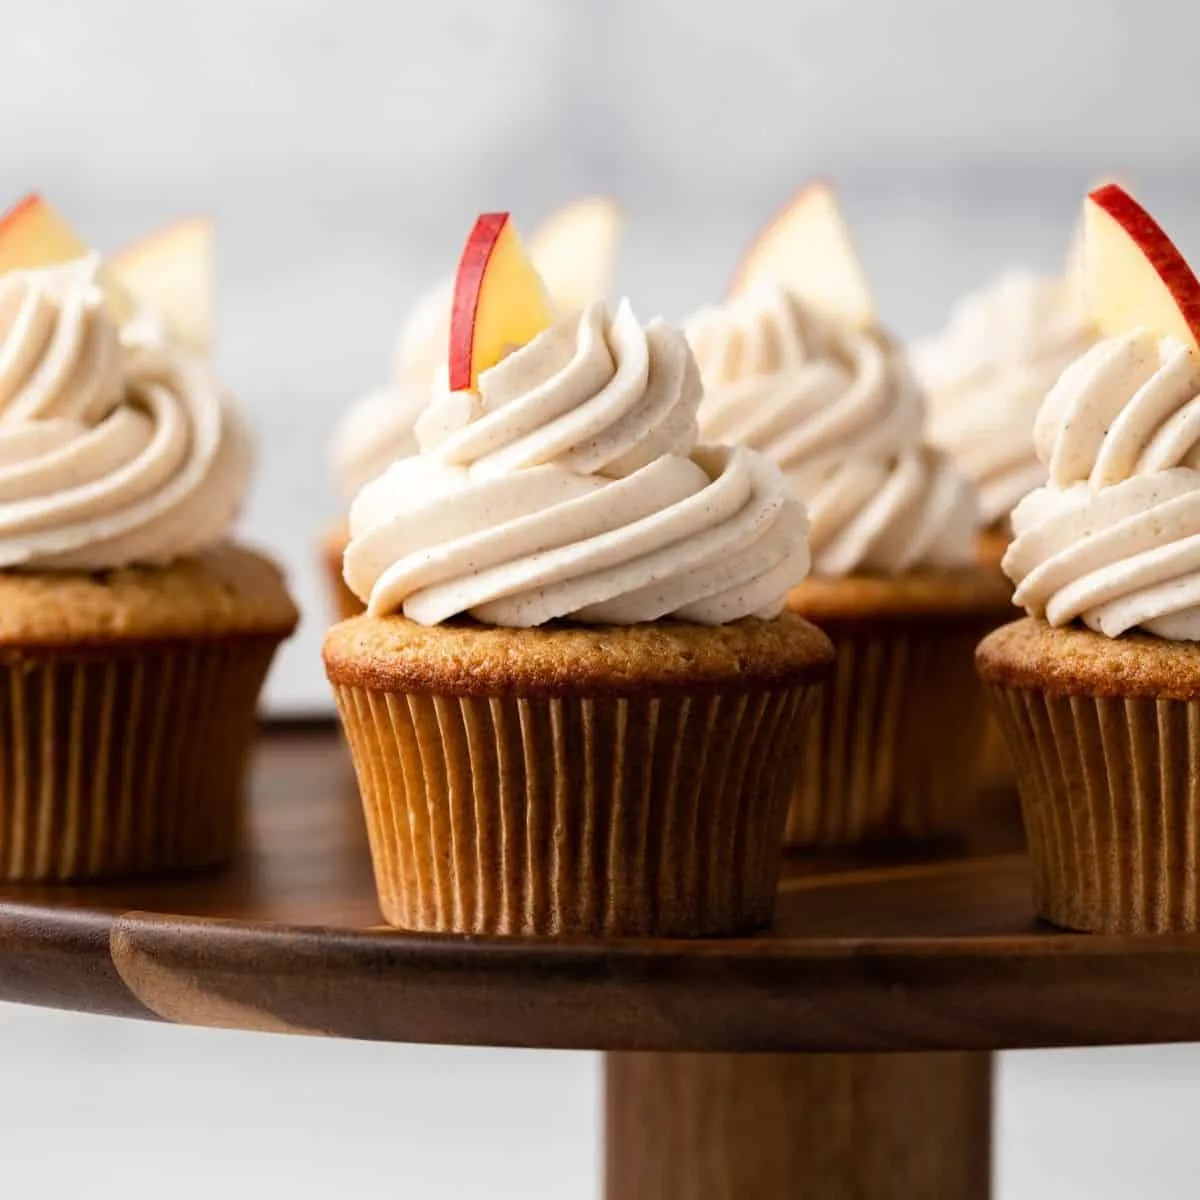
(833,1126)
(842,1053)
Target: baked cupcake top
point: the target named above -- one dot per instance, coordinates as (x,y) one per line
(569,485)
(112,453)
(986,374)
(838,409)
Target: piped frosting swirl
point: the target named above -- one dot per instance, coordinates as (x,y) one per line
(1113,538)
(570,486)
(839,411)
(987,373)
(110,454)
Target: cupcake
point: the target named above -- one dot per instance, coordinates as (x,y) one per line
(380,427)
(831,400)
(573,704)
(1098,690)
(985,377)
(134,638)
(575,252)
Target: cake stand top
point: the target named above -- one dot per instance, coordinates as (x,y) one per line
(940,954)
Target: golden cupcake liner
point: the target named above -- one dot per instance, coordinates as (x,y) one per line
(995,763)
(645,814)
(343,603)
(894,752)
(127,759)
(1110,792)
(993,543)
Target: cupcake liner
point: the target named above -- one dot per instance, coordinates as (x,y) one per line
(1110,792)
(651,814)
(127,759)
(993,544)
(996,773)
(343,603)
(995,763)
(894,753)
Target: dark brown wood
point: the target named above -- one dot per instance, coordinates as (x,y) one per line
(941,953)
(783,1126)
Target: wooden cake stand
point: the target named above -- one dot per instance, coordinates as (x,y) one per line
(843,1053)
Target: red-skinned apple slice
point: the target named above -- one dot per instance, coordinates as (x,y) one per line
(807,249)
(171,272)
(575,250)
(1133,274)
(1073,272)
(32,235)
(499,300)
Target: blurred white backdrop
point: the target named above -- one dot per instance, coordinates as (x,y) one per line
(344,147)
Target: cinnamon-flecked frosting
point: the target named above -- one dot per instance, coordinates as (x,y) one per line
(571,486)
(111,454)
(1113,538)
(839,411)
(380,426)
(987,373)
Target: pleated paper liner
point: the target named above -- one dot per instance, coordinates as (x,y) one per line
(1110,791)
(893,755)
(128,759)
(655,815)
(1105,736)
(995,762)
(343,603)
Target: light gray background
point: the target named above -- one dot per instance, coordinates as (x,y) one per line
(344,147)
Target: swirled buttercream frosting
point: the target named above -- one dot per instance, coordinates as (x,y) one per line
(115,448)
(839,411)
(571,486)
(987,373)
(1113,538)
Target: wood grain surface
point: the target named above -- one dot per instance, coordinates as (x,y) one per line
(775,1126)
(866,955)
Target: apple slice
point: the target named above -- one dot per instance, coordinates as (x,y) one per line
(1076,265)
(1133,274)
(807,250)
(499,300)
(32,234)
(1074,269)
(171,272)
(575,250)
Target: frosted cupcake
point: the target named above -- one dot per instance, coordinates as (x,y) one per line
(985,377)
(573,704)
(1099,689)
(575,251)
(832,401)
(380,427)
(134,638)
